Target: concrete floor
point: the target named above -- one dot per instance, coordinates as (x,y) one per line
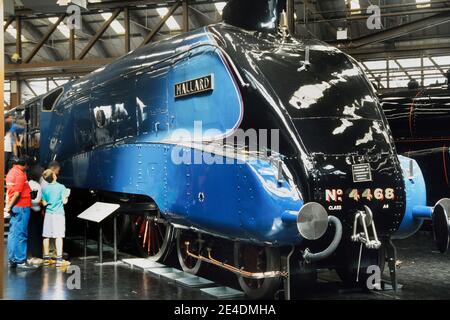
(424,274)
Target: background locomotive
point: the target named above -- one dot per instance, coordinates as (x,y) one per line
(334,186)
(419,119)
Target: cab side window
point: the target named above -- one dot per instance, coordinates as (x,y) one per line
(82,123)
(114,111)
(34,115)
(50,100)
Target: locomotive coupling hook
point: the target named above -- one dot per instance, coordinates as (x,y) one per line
(365,218)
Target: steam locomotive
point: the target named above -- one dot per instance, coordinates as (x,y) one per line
(419,119)
(326,189)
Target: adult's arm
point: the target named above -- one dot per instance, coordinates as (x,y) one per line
(12,202)
(17,187)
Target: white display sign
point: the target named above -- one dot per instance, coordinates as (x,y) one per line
(99,211)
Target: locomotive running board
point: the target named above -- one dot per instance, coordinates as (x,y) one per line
(233,269)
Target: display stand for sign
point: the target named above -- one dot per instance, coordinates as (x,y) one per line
(97,213)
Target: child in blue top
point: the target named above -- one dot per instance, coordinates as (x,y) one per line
(54,197)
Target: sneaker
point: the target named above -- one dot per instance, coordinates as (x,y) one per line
(62,263)
(48,262)
(26,266)
(12,264)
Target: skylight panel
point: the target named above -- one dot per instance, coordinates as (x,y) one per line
(115,25)
(13,32)
(219,6)
(410,63)
(171,23)
(61,27)
(375,65)
(423,3)
(442,60)
(436,80)
(355,5)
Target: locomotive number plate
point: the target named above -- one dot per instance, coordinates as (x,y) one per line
(361,172)
(377,194)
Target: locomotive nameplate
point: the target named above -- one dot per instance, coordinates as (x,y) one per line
(194,86)
(361,172)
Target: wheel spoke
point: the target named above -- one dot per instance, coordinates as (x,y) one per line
(152,236)
(149,237)
(142,228)
(156,236)
(145,234)
(159,230)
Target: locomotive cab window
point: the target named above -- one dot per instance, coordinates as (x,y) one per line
(50,100)
(32,115)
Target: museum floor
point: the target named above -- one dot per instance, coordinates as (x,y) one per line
(423,273)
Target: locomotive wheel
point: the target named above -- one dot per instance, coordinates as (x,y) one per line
(347,272)
(153,237)
(253,258)
(189,264)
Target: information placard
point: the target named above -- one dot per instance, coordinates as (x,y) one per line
(99,211)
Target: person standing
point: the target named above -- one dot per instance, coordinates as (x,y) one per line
(54,197)
(16,132)
(18,206)
(8,143)
(36,216)
(55,167)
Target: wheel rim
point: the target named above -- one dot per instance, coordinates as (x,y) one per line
(188,263)
(252,259)
(153,236)
(255,259)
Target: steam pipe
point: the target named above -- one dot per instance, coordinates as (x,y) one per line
(289,216)
(241,272)
(311,257)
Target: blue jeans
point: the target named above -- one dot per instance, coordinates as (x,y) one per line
(18,235)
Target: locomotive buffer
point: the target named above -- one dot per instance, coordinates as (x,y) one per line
(97,213)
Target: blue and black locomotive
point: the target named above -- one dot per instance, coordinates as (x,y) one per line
(334,184)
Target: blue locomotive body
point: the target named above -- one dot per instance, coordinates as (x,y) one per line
(158,123)
(131,152)
(114,131)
